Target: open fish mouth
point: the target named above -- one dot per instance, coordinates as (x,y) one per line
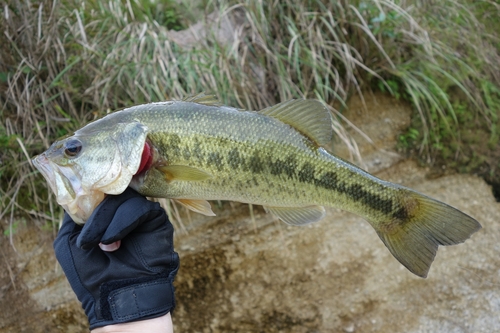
(42,163)
(65,184)
(62,180)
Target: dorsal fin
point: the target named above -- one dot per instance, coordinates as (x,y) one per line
(308,116)
(202,98)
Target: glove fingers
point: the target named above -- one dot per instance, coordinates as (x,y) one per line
(67,228)
(98,222)
(129,216)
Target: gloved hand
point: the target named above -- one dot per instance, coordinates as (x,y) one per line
(135,281)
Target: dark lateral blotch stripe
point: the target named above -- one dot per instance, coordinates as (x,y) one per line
(215,159)
(198,152)
(255,164)
(329,180)
(234,160)
(401,214)
(306,174)
(372,200)
(287,166)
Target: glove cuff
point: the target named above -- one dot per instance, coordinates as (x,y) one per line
(125,301)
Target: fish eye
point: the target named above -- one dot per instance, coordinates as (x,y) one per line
(72,148)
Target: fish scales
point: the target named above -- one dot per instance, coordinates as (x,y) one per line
(246,143)
(196,150)
(239,156)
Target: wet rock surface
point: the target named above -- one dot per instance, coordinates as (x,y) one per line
(240,274)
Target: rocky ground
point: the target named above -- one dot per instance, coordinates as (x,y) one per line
(244,275)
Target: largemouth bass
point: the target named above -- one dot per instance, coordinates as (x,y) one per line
(196,150)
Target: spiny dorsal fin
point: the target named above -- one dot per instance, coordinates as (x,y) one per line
(308,116)
(202,98)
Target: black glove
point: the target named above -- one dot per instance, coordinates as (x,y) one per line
(131,283)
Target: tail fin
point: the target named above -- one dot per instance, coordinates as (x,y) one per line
(415,241)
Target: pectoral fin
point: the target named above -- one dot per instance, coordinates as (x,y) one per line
(198,206)
(298,215)
(183,172)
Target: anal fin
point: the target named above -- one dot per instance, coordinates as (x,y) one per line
(298,215)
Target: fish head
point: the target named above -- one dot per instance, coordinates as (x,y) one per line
(98,159)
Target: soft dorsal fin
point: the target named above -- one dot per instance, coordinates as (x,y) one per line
(308,116)
(202,98)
